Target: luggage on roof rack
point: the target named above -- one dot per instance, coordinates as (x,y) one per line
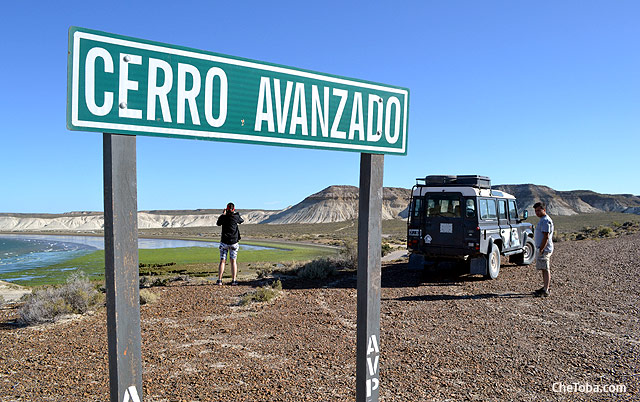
(460,180)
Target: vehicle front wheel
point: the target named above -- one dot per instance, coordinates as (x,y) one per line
(493,262)
(529,253)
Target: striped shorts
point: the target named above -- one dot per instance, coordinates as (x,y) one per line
(231,248)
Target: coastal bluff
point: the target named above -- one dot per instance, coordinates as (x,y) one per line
(333,204)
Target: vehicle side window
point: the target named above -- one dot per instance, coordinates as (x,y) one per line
(513,210)
(470,208)
(502,209)
(416,208)
(488,209)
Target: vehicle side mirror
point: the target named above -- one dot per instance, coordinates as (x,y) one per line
(525,215)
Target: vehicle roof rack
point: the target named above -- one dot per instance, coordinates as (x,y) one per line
(455,181)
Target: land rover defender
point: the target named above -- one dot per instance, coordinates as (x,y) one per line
(461,218)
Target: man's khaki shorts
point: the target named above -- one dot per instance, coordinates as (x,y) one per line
(543,261)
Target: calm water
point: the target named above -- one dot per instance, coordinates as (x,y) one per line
(19,252)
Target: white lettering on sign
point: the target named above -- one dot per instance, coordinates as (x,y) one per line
(131,395)
(392,139)
(375,102)
(273,108)
(299,105)
(373,345)
(265,106)
(127,85)
(161,92)
(90,81)
(319,112)
(216,89)
(343,94)
(282,110)
(223,92)
(138,87)
(185,95)
(357,123)
(372,364)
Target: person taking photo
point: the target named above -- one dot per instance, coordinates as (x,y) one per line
(230,236)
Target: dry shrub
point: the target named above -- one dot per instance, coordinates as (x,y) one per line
(263,269)
(605,232)
(76,296)
(386,249)
(147,297)
(318,269)
(268,269)
(263,294)
(349,255)
(150,281)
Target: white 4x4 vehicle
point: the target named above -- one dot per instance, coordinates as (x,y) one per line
(462,218)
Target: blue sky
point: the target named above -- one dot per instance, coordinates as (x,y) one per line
(524,92)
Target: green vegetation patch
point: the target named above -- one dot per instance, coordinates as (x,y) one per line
(577,223)
(334,233)
(600,232)
(192,261)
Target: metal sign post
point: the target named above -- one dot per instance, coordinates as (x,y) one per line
(369,271)
(121,267)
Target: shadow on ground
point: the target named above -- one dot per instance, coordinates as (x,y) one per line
(397,274)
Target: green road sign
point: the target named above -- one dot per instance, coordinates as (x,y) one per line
(123,85)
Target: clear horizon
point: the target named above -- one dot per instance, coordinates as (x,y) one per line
(545,93)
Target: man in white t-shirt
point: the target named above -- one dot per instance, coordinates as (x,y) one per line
(543,237)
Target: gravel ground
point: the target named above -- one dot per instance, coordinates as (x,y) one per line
(443,338)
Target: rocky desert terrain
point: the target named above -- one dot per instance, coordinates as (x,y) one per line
(444,337)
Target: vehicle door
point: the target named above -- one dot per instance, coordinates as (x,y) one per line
(517,228)
(415,221)
(444,225)
(489,227)
(505,226)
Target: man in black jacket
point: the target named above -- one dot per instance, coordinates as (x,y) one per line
(229,221)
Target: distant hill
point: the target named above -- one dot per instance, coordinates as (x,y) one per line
(333,204)
(340,203)
(571,202)
(94,221)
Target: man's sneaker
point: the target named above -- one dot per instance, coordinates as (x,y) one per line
(542,292)
(234,283)
(219,282)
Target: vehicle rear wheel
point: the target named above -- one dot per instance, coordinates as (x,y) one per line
(493,262)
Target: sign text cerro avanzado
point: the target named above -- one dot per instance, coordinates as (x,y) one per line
(130,86)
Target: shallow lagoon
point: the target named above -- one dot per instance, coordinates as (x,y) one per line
(20,252)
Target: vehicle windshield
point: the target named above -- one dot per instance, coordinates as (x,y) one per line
(444,205)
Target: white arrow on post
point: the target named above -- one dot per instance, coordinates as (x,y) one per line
(131,394)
